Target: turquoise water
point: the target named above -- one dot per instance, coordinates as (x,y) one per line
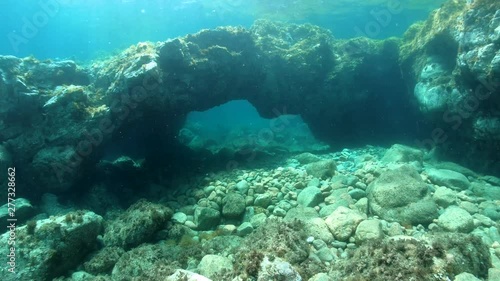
(269,152)
(85,30)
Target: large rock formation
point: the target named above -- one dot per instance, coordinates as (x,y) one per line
(452,61)
(58,119)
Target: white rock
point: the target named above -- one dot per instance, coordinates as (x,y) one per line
(179,217)
(211,265)
(242,186)
(456,219)
(277,269)
(227,229)
(184,275)
(190,224)
(369,230)
(444,196)
(343,221)
(448,178)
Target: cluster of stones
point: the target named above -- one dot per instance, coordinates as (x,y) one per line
(398,196)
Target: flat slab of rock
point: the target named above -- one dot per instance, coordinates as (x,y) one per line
(322,169)
(212,265)
(491,179)
(448,178)
(402,154)
(455,167)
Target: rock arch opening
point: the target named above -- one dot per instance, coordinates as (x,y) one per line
(236,128)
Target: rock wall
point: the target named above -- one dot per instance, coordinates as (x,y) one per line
(452,61)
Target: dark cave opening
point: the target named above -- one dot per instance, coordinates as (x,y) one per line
(154,149)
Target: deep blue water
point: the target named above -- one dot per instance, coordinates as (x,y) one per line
(86,29)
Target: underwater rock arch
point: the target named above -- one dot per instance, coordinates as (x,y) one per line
(279,68)
(61,115)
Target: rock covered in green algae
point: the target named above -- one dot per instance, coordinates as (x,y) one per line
(233,206)
(52,247)
(206,218)
(400,195)
(225,55)
(322,169)
(145,262)
(50,168)
(5,161)
(277,238)
(137,225)
(48,74)
(402,154)
(103,261)
(310,196)
(437,257)
(63,87)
